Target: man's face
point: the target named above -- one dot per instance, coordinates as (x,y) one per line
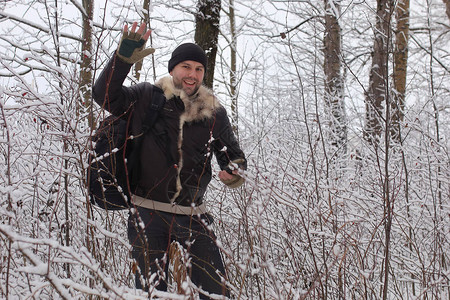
(188,76)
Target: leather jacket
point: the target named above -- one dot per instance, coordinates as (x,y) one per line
(176,152)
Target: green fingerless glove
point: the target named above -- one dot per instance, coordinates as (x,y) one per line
(234,182)
(131,48)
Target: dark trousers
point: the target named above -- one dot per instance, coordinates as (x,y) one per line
(150,248)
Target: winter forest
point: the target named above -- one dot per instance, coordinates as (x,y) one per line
(342,108)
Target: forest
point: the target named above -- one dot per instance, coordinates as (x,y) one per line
(341,107)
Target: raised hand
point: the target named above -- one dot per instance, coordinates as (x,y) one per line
(131,46)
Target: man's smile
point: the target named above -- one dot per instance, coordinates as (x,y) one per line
(189,82)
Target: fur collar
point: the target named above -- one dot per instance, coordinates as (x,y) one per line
(197,107)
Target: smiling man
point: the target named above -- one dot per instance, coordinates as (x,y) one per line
(168,196)
(187,67)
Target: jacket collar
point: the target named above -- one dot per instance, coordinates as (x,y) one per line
(198,107)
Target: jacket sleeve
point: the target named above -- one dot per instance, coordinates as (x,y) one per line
(108,90)
(225,145)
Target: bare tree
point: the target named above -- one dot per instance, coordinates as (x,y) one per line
(447,8)
(145,17)
(86,68)
(333,76)
(377,92)
(207,20)
(296,229)
(400,67)
(233,67)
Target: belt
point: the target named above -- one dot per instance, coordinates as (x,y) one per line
(169,207)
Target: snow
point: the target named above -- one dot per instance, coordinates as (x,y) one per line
(307,216)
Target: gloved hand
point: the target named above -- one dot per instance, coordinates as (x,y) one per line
(131,46)
(234,182)
(230,177)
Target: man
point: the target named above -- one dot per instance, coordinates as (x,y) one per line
(175,157)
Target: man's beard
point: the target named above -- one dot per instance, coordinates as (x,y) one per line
(179,85)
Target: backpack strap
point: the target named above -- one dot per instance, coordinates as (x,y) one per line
(158,100)
(152,114)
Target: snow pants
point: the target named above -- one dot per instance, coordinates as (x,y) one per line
(151,232)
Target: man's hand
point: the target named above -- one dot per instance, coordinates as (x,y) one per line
(233,180)
(131,46)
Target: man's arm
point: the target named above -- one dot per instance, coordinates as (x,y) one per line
(108,90)
(229,155)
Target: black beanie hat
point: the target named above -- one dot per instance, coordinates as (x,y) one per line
(188,51)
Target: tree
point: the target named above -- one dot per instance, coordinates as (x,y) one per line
(233,67)
(145,17)
(333,77)
(207,21)
(400,67)
(295,230)
(86,67)
(447,8)
(377,96)
(377,92)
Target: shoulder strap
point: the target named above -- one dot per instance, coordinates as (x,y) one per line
(151,115)
(157,104)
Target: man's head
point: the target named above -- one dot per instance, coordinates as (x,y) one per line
(187,67)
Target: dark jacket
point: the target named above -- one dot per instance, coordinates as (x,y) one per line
(176,152)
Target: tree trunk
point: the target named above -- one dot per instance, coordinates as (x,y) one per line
(447,8)
(377,92)
(86,58)
(400,66)
(145,18)
(233,68)
(207,22)
(333,76)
